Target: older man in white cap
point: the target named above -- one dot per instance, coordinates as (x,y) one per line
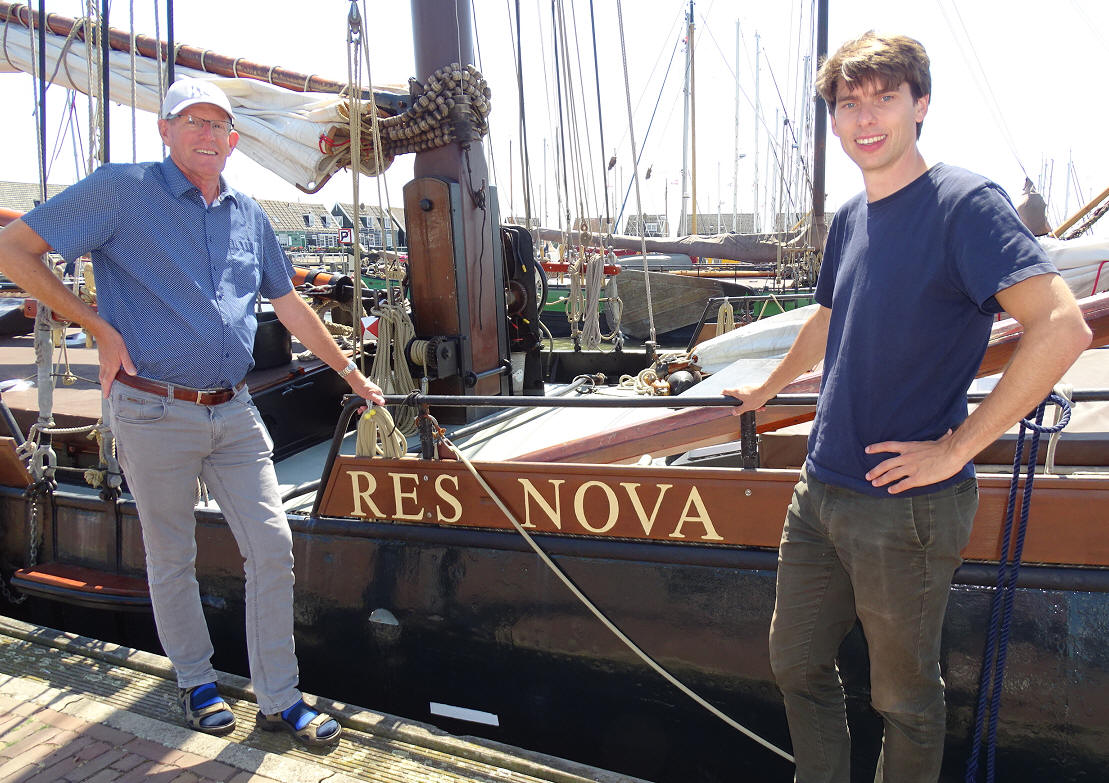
(180,258)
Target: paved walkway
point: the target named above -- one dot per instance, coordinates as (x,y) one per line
(75,709)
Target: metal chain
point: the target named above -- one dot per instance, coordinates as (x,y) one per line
(32,495)
(32,526)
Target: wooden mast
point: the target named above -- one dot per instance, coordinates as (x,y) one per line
(453,237)
(817,229)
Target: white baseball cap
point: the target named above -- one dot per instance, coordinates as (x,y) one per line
(187,92)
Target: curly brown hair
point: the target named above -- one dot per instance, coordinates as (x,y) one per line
(885,60)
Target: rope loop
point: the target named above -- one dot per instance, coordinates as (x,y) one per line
(1045,429)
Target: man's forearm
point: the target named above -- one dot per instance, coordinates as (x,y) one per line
(807,350)
(21,251)
(307,327)
(1043,354)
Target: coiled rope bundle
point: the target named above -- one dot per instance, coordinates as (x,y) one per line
(452,106)
(390,368)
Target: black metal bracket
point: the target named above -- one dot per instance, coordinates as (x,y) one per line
(748,440)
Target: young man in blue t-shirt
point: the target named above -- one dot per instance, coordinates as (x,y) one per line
(915,268)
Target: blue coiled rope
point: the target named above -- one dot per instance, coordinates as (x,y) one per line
(1001,606)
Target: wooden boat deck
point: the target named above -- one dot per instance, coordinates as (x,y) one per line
(78,404)
(70,704)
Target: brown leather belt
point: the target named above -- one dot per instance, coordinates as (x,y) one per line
(198,396)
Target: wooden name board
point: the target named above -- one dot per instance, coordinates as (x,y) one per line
(664,504)
(719,506)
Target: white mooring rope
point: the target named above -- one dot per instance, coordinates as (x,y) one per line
(631,645)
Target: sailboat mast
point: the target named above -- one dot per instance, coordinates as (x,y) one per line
(820,132)
(43,81)
(171,50)
(683,226)
(105,85)
(452,217)
(755,118)
(692,128)
(735,165)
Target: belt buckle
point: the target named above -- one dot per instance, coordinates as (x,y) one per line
(199,394)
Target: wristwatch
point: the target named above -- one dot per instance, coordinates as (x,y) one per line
(351,367)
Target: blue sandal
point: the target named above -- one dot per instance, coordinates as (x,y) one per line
(316,729)
(205,710)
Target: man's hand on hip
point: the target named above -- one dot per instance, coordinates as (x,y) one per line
(113,356)
(917,464)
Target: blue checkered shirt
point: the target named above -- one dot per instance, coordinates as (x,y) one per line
(177,278)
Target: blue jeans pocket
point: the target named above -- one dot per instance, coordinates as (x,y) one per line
(137,409)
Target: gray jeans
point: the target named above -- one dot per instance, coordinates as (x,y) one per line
(164,445)
(889,562)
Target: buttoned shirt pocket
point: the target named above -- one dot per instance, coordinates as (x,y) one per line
(136,409)
(245,267)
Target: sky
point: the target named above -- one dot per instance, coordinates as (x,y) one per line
(1016,91)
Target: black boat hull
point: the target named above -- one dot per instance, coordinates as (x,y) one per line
(398,617)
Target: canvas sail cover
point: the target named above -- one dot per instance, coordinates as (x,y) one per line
(279,128)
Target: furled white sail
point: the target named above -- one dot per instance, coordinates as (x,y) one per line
(1083,262)
(278,128)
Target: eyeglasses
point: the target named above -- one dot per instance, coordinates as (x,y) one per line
(219,127)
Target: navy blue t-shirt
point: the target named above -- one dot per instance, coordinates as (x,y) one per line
(910,280)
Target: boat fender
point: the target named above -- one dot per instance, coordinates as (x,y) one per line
(682,380)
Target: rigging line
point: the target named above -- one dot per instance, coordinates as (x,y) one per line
(1090,25)
(525,162)
(386,218)
(793,70)
(67,118)
(1073,180)
(551,124)
(647,134)
(478,196)
(600,116)
(40,122)
(565,106)
(355,32)
(477,43)
(591,168)
(134,87)
(161,74)
(582,157)
(64,129)
(781,101)
(635,177)
(574,151)
(779,159)
(551,112)
(676,31)
(982,79)
(561,118)
(758,112)
(75,136)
